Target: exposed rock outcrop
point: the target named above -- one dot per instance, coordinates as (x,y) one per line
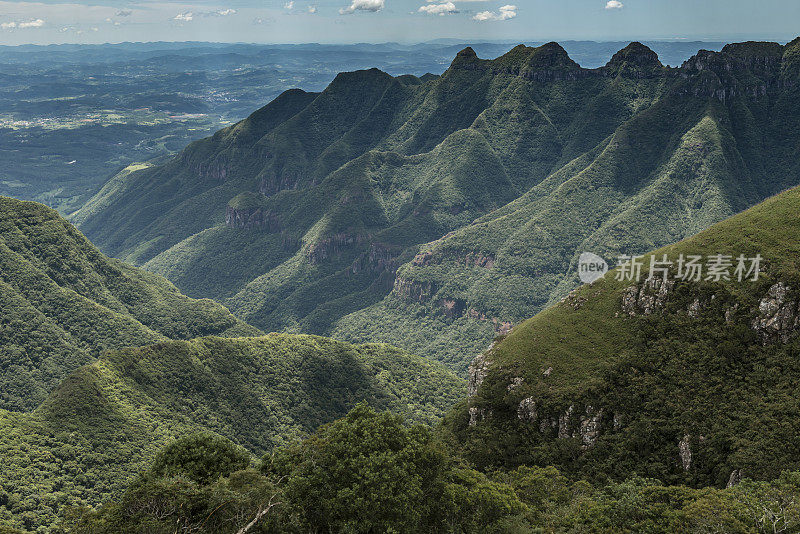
(590,426)
(379,258)
(285,180)
(452,308)
(212,170)
(413,289)
(515,382)
(475,415)
(651,296)
(526,411)
(470,259)
(563,423)
(333,246)
(476,373)
(777,317)
(742,69)
(252,218)
(685,452)
(735,478)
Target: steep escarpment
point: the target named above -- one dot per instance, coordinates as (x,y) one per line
(64,303)
(688,378)
(521,162)
(719,139)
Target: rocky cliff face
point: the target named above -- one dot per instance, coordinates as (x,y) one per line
(745,69)
(379,258)
(333,246)
(778,315)
(413,289)
(285,180)
(216,170)
(252,218)
(646,298)
(776,318)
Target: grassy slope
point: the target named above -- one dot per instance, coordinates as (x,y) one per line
(661,376)
(64,302)
(105,421)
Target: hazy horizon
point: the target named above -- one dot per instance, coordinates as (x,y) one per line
(403,21)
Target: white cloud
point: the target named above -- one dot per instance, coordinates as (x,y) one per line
(439,9)
(289,5)
(505,13)
(363,5)
(38,23)
(35,23)
(614,4)
(312,9)
(188,16)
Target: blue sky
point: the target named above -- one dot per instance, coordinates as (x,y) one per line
(348,21)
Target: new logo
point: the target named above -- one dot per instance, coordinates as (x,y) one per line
(591,267)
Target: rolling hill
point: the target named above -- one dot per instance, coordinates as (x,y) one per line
(690,381)
(435,213)
(64,303)
(105,422)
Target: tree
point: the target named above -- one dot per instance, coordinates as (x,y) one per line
(369,472)
(203,458)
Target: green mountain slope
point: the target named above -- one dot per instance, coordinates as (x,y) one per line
(458,204)
(692,382)
(721,138)
(104,422)
(64,302)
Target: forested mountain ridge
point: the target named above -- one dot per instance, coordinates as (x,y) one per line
(104,423)
(64,303)
(299,216)
(692,380)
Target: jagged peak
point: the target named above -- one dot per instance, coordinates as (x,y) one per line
(545,63)
(637,53)
(635,60)
(466,56)
(528,61)
(468,52)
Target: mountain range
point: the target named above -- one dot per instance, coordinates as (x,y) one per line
(443,214)
(435,213)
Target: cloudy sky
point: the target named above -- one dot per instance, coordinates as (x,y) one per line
(347,21)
